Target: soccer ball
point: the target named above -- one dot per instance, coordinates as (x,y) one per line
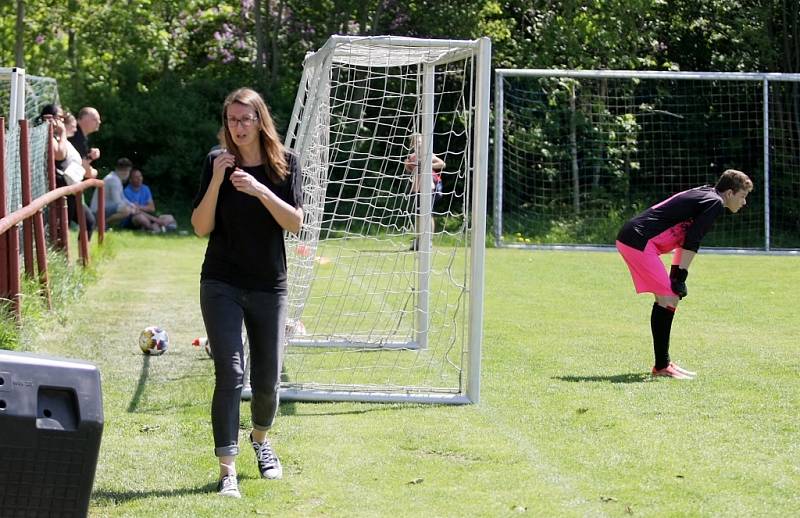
(153,341)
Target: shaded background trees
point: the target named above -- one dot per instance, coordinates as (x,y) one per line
(158,70)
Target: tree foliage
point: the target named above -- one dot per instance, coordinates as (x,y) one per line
(158,70)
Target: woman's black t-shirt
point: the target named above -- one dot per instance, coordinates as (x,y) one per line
(246,247)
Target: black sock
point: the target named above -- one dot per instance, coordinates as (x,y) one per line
(660,325)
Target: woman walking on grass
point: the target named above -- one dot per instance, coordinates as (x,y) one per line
(250,192)
(676,225)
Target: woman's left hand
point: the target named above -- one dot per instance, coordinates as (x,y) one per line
(244,182)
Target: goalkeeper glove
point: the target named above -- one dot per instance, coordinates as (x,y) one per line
(677,277)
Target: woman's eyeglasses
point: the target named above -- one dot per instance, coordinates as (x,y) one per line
(245,123)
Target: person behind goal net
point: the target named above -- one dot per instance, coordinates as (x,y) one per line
(676,225)
(437,187)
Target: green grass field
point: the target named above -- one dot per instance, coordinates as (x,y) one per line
(365,292)
(569,423)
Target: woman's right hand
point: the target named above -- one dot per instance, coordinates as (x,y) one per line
(58,128)
(223,161)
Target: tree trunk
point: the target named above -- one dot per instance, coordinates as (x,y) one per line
(19,45)
(261,38)
(791,63)
(376,19)
(599,122)
(275,50)
(796,64)
(787,45)
(169,22)
(363,18)
(72,49)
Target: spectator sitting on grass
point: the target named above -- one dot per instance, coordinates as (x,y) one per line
(140,196)
(117,207)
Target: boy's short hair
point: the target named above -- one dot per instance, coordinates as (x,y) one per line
(124,163)
(735,181)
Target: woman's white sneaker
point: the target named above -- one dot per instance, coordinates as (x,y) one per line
(228,486)
(268,464)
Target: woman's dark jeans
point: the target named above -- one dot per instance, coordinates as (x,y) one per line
(224,309)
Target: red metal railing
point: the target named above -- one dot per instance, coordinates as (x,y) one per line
(32,220)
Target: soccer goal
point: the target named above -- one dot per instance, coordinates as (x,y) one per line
(22,96)
(579,152)
(386,275)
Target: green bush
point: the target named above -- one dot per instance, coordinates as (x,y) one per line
(67,283)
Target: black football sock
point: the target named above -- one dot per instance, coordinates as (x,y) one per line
(661,325)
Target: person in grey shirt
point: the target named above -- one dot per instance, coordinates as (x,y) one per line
(117,206)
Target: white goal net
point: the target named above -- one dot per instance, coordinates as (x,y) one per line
(577,153)
(22,96)
(386,275)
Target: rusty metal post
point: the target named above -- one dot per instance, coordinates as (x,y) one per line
(41,257)
(83,233)
(9,241)
(52,213)
(25,179)
(101,214)
(5,270)
(13,271)
(4,266)
(60,207)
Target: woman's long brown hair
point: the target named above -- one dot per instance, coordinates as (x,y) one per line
(271,145)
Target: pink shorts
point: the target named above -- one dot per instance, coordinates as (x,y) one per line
(647,269)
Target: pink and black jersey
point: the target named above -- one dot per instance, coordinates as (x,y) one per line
(679,221)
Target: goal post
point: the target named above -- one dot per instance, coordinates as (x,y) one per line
(578,152)
(22,96)
(16,109)
(386,274)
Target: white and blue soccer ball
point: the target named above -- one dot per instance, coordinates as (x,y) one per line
(153,341)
